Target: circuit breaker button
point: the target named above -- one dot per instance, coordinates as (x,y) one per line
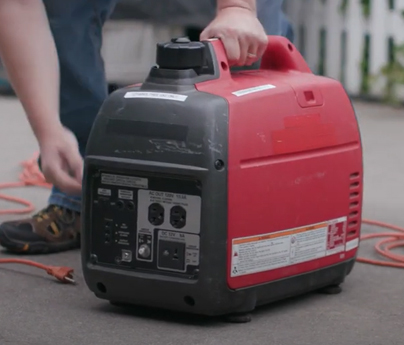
(144,251)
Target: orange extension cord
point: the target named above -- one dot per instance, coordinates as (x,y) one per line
(32,176)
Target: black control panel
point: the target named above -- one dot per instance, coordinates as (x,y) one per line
(146,223)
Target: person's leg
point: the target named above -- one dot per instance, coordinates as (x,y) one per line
(287,28)
(83,83)
(77,29)
(270,15)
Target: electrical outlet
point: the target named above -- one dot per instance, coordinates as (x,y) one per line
(171,255)
(178,217)
(156,214)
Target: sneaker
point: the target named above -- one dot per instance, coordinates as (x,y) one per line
(54,229)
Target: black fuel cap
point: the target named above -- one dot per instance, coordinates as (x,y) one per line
(180,53)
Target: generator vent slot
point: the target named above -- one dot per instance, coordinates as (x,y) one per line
(354,204)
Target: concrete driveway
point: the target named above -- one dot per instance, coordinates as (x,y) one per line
(36,310)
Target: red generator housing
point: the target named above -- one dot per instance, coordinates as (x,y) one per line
(212,192)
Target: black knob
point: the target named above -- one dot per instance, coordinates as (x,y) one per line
(180,53)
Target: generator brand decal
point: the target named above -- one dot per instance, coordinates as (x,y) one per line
(304,132)
(250,90)
(124,181)
(157,95)
(289,247)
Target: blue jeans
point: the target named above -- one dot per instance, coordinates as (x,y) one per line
(287,28)
(273,19)
(77,29)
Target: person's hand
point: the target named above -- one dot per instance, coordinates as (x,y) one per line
(242,34)
(61,162)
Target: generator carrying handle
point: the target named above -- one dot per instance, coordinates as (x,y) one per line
(280,55)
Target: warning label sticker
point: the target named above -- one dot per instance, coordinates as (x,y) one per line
(105,192)
(288,247)
(353,244)
(124,181)
(244,92)
(125,194)
(157,95)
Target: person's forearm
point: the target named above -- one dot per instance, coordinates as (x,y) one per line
(29,55)
(247,4)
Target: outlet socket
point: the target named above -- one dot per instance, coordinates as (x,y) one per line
(171,255)
(156,214)
(178,217)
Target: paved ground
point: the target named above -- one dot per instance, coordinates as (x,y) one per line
(34,310)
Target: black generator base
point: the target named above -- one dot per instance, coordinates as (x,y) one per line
(149,293)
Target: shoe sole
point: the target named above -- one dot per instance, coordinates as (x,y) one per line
(38,247)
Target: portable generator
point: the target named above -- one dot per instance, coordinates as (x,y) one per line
(212,192)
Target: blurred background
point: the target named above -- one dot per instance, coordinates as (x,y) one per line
(358,42)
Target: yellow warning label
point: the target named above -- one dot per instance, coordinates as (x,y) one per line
(288,247)
(279,234)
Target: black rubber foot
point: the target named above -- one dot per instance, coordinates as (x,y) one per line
(239,318)
(331,290)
